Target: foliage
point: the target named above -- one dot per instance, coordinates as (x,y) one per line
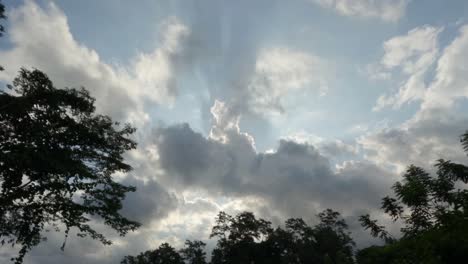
(434,211)
(193,252)
(245,239)
(57,158)
(2,29)
(332,240)
(165,254)
(2,16)
(237,237)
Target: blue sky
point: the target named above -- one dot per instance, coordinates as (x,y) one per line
(221,92)
(118,31)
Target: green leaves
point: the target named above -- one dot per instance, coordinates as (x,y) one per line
(57,158)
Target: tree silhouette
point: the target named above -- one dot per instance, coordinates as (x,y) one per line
(246,239)
(57,158)
(194,252)
(2,29)
(434,211)
(237,238)
(165,254)
(2,16)
(333,241)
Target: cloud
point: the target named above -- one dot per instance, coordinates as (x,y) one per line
(255,79)
(155,72)
(412,54)
(42,39)
(151,201)
(415,54)
(294,179)
(279,72)
(433,132)
(451,81)
(413,51)
(329,148)
(426,137)
(387,10)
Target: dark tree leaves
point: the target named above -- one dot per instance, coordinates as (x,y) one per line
(165,254)
(2,16)
(57,158)
(194,252)
(434,211)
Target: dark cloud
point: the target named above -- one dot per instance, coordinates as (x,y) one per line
(150,202)
(296,178)
(428,136)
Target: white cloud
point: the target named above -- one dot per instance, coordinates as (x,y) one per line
(154,73)
(279,72)
(451,79)
(42,39)
(412,54)
(433,132)
(387,10)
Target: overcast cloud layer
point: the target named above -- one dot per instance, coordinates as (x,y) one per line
(280,108)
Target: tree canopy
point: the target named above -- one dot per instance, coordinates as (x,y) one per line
(2,16)
(2,28)
(246,239)
(57,160)
(434,212)
(165,254)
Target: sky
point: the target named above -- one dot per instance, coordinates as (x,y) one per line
(282,108)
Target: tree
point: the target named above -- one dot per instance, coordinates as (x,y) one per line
(2,16)
(434,211)
(332,240)
(2,29)
(57,160)
(194,252)
(165,254)
(293,244)
(237,238)
(246,239)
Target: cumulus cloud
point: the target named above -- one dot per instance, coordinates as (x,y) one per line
(245,74)
(329,148)
(154,198)
(451,79)
(423,139)
(387,10)
(433,132)
(42,39)
(412,54)
(415,54)
(295,179)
